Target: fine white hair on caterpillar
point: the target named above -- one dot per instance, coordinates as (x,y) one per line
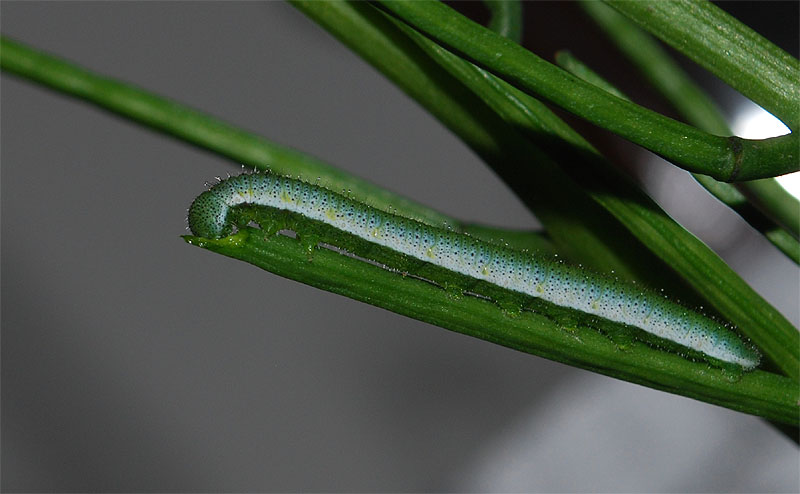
(557,283)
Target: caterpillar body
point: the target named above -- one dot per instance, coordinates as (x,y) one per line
(210,217)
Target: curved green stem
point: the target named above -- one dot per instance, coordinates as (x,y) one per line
(697,108)
(725,158)
(726,47)
(726,193)
(769,196)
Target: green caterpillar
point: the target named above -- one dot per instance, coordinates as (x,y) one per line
(560,284)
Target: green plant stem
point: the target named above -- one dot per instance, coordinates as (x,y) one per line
(199,129)
(726,193)
(689,257)
(726,47)
(770,197)
(775,204)
(506,18)
(758,392)
(724,158)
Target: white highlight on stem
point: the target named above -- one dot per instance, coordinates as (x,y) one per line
(754,122)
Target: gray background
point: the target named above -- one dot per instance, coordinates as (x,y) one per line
(134,362)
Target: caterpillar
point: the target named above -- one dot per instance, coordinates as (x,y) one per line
(210,216)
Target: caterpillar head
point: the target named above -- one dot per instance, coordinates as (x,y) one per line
(208,216)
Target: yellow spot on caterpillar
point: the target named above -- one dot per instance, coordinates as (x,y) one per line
(539,288)
(285,197)
(430,253)
(376,232)
(330,213)
(485,270)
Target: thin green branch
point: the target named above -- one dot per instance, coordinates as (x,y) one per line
(726,47)
(694,105)
(550,335)
(659,68)
(198,128)
(769,196)
(724,158)
(726,193)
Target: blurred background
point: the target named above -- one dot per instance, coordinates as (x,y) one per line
(134,362)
